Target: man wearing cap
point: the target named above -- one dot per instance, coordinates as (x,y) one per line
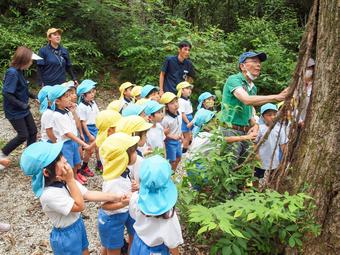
(56,61)
(176,69)
(239,97)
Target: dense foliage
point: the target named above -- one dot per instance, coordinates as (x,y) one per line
(135,36)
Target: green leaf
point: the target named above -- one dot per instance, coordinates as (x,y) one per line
(298,241)
(226,250)
(251,216)
(238,213)
(236,250)
(292,228)
(291,242)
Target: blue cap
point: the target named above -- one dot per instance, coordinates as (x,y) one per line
(42,97)
(157,193)
(202,97)
(85,86)
(35,158)
(202,116)
(267,107)
(56,92)
(146,90)
(250,54)
(132,109)
(152,106)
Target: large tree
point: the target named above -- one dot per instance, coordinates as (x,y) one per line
(313,158)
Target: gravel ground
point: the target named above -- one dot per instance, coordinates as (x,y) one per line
(30,226)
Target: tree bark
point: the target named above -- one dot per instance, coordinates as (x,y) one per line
(316,157)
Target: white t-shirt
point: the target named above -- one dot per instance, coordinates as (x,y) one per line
(47,121)
(155,231)
(88,112)
(57,204)
(119,186)
(134,169)
(267,148)
(173,123)
(64,123)
(201,143)
(185,106)
(155,137)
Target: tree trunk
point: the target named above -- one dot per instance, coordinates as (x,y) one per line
(316,157)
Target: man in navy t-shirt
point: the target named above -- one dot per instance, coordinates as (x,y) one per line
(176,69)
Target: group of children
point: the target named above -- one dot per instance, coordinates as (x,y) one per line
(137,193)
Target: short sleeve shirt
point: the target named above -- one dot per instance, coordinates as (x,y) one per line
(15,84)
(185,106)
(174,123)
(233,110)
(176,72)
(53,65)
(47,121)
(63,123)
(155,231)
(88,112)
(155,136)
(57,204)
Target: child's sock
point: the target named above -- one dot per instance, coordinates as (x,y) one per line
(84,165)
(99,163)
(184,150)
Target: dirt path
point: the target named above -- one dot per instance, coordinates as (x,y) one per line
(30,226)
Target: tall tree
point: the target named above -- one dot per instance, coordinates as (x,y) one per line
(313,159)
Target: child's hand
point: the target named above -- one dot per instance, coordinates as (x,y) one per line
(190,124)
(147,151)
(86,147)
(72,107)
(134,185)
(251,136)
(67,174)
(125,200)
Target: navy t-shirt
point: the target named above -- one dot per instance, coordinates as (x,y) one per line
(15,83)
(175,72)
(53,66)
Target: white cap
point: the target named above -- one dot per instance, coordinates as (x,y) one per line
(36,57)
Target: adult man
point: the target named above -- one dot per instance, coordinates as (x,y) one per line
(239,97)
(176,69)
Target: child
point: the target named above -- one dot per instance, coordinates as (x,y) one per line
(157,228)
(125,94)
(150,92)
(61,196)
(116,105)
(185,109)
(117,151)
(135,92)
(106,122)
(88,110)
(134,109)
(135,125)
(155,136)
(47,116)
(277,139)
(65,129)
(206,100)
(172,124)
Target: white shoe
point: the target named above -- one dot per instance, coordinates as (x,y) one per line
(4,227)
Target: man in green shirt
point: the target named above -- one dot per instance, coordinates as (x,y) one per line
(239,99)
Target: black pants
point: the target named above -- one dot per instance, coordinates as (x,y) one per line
(26,131)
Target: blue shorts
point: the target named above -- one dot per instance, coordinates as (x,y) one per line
(173,149)
(71,240)
(111,228)
(184,125)
(93,131)
(70,151)
(140,248)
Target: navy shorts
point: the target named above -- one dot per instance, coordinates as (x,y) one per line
(111,228)
(93,131)
(173,149)
(139,247)
(184,125)
(71,240)
(70,151)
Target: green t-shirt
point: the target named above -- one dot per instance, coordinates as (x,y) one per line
(233,110)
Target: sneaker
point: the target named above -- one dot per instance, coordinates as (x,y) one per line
(81,177)
(4,227)
(87,172)
(4,161)
(79,180)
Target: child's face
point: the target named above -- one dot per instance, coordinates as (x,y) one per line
(64,101)
(142,140)
(209,103)
(269,116)
(127,92)
(173,106)
(89,96)
(186,92)
(157,116)
(73,95)
(154,96)
(132,155)
(111,131)
(137,97)
(60,166)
